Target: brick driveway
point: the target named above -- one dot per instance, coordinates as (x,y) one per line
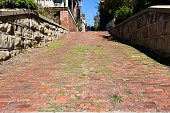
(84,72)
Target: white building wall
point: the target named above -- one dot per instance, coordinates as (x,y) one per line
(110,24)
(50,3)
(46,3)
(66,3)
(83,25)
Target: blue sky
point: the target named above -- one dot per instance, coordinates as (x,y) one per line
(90,8)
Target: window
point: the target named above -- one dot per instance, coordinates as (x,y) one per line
(58,1)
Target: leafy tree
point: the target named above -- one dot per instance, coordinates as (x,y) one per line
(142,4)
(122,14)
(97,22)
(109,9)
(11,4)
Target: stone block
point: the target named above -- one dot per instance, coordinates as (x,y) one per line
(4,55)
(56,28)
(18,31)
(11,40)
(150,43)
(56,33)
(49,38)
(25,32)
(134,26)
(139,42)
(9,28)
(37,36)
(167,43)
(14,52)
(3,41)
(53,27)
(26,22)
(147,19)
(166,30)
(34,25)
(17,42)
(139,23)
(28,43)
(47,25)
(41,28)
(153,17)
(153,30)
(50,26)
(160,29)
(166,16)
(128,27)
(160,44)
(62,30)
(133,36)
(161,17)
(30,34)
(138,35)
(144,33)
(3,27)
(45,31)
(59,29)
(143,21)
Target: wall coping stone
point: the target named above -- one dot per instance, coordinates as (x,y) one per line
(13,12)
(157,8)
(160,6)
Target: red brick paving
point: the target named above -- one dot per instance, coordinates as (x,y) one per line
(84,72)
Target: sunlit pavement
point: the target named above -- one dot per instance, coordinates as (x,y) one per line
(84,72)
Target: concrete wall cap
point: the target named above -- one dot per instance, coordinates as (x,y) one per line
(160,6)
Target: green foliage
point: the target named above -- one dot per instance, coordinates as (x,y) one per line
(79,26)
(111,8)
(6,4)
(48,12)
(107,10)
(142,4)
(117,98)
(97,22)
(11,4)
(28,4)
(127,91)
(122,14)
(96,27)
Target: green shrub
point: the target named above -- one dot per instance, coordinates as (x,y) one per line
(26,4)
(11,4)
(6,4)
(79,26)
(122,14)
(96,27)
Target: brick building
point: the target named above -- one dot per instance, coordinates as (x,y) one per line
(69,11)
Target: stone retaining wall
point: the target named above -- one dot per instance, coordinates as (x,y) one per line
(22,29)
(149,28)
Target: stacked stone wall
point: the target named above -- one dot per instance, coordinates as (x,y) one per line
(149,29)
(22,29)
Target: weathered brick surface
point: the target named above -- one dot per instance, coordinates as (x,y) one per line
(67,21)
(84,72)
